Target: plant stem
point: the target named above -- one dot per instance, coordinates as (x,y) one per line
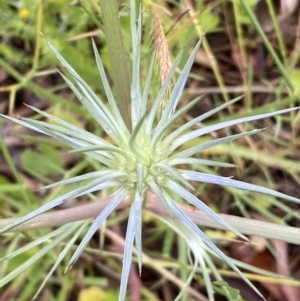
(116,50)
(244,225)
(90,210)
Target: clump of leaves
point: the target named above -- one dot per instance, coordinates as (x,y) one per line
(146,159)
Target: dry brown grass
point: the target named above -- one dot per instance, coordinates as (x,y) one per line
(163,54)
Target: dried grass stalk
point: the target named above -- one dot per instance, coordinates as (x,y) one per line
(163,54)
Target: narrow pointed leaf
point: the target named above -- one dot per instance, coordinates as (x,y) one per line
(98,115)
(38,241)
(73,142)
(60,258)
(202,206)
(140,177)
(159,131)
(208,129)
(135,92)
(91,96)
(127,258)
(34,258)
(181,215)
(198,119)
(92,186)
(73,130)
(175,174)
(134,147)
(137,205)
(196,149)
(87,176)
(207,178)
(116,200)
(97,148)
(108,92)
(159,98)
(178,88)
(196,161)
(156,190)
(145,95)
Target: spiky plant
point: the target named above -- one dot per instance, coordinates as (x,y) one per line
(145,159)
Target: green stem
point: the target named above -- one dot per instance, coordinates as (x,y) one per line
(277,29)
(116,50)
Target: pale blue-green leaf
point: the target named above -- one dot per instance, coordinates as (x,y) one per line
(112,150)
(112,129)
(202,206)
(208,129)
(86,176)
(108,92)
(196,149)
(67,230)
(21,122)
(140,172)
(179,86)
(181,215)
(135,91)
(113,126)
(95,185)
(105,158)
(137,207)
(70,129)
(160,95)
(193,241)
(133,21)
(207,178)
(60,257)
(127,258)
(116,200)
(160,129)
(55,130)
(31,245)
(145,95)
(175,174)
(200,118)
(62,60)
(99,117)
(160,195)
(106,181)
(197,161)
(134,146)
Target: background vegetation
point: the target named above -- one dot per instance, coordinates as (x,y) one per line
(251,49)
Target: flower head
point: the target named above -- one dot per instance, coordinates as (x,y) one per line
(143,160)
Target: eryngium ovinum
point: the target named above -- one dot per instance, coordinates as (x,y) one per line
(146,159)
